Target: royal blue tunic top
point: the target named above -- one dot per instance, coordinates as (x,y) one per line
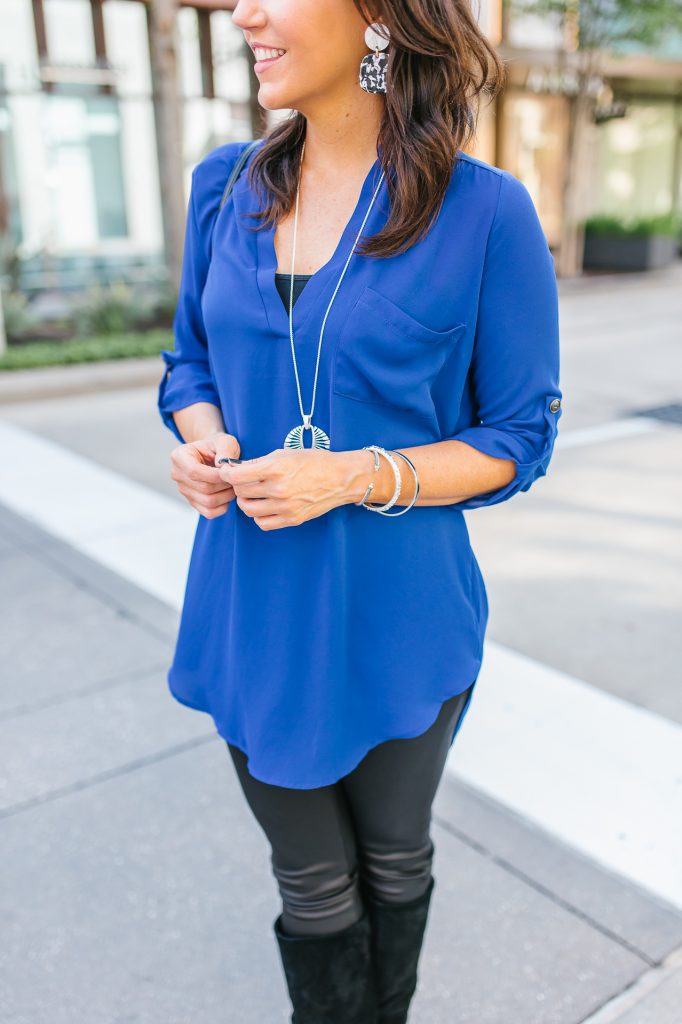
(311,644)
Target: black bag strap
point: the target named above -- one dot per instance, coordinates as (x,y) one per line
(237,170)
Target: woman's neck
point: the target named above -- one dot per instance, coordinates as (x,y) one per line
(348,139)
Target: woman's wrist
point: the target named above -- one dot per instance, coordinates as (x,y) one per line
(199,421)
(356,473)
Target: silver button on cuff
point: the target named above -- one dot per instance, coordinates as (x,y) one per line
(555,405)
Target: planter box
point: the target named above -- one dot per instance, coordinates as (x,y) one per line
(634,252)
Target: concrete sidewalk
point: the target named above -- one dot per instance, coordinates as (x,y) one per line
(79,378)
(137,886)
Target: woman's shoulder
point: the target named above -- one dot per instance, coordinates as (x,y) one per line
(220,159)
(506,196)
(210,175)
(487,175)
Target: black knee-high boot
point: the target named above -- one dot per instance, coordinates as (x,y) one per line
(397,938)
(329,977)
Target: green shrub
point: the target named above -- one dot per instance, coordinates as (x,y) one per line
(99,311)
(17,314)
(31,354)
(104,309)
(610,224)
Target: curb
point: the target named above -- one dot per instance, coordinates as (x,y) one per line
(79,378)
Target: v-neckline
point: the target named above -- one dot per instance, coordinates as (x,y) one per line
(323,281)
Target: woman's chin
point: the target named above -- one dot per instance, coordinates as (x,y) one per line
(274,99)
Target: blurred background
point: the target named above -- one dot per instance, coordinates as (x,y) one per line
(136,885)
(107,105)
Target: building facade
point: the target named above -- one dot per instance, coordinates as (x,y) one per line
(82,183)
(80,196)
(632,162)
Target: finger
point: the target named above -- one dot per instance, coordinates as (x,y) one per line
(205,449)
(260,506)
(209,505)
(250,471)
(226,447)
(272,523)
(206,499)
(255,490)
(199,487)
(263,507)
(189,462)
(238,480)
(212,513)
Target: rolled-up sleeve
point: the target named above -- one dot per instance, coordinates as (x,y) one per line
(187,376)
(514,382)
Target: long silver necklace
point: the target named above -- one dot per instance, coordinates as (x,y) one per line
(320,439)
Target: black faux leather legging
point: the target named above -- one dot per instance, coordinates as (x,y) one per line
(375,820)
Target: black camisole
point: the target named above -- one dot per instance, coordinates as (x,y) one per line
(283,282)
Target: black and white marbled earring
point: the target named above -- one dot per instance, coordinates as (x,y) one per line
(373,65)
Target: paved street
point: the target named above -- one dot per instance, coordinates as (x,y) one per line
(137,887)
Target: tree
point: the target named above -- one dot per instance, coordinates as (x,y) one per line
(592,30)
(161,27)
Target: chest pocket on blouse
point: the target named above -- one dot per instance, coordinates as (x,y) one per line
(387,357)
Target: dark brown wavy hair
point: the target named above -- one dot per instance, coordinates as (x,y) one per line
(439,64)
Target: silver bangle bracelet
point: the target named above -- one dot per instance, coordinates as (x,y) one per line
(378,450)
(416,480)
(383,510)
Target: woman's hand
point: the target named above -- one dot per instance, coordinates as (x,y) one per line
(194,470)
(289,485)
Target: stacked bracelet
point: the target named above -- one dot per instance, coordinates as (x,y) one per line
(378,450)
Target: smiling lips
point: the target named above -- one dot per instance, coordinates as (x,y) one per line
(265,57)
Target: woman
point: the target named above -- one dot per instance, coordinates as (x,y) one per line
(370,323)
